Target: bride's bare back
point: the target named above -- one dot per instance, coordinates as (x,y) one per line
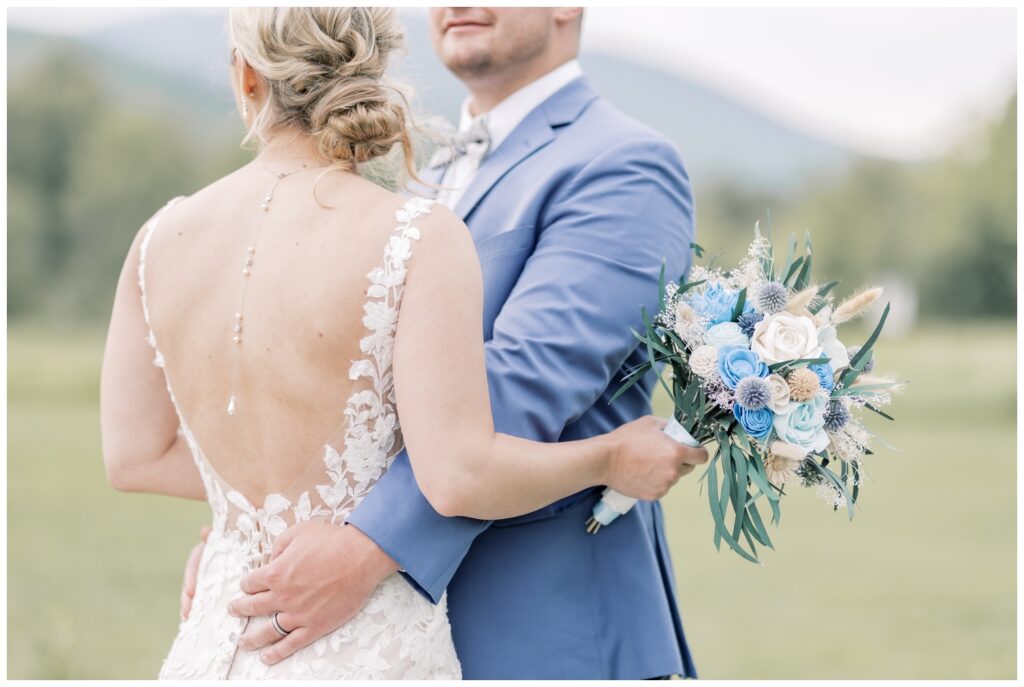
(302,318)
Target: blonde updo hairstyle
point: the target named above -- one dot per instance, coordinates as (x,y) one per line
(324,69)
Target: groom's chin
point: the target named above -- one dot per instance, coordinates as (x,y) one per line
(466,55)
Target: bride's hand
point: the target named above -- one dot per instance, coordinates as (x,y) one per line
(188,586)
(645,462)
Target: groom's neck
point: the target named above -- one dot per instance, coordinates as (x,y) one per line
(488,90)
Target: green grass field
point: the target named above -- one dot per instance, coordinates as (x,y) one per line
(922,584)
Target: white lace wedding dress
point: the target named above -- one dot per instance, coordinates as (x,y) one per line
(399,634)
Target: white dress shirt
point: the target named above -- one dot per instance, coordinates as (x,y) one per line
(502,119)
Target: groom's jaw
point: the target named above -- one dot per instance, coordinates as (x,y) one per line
(495,51)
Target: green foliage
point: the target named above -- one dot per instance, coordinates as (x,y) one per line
(51,107)
(127,168)
(83,175)
(948,225)
(89,161)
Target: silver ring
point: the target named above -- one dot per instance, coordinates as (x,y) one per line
(277,625)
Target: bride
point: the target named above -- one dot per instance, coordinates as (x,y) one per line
(271,330)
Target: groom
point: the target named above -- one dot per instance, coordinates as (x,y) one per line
(573,208)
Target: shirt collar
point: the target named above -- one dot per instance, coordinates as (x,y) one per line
(504,117)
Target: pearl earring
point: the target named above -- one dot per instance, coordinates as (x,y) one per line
(245,107)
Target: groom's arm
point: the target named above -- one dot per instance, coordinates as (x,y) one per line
(560,337)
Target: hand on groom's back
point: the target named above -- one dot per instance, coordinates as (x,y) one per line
(319,577)
(188,585)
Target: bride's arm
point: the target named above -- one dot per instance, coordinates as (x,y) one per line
(142,450)
(462,466)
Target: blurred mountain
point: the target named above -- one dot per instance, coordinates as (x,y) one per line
(204,104)
(178,62)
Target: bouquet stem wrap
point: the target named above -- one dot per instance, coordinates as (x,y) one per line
(613,504)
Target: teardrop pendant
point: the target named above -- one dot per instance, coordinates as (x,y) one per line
(231,405)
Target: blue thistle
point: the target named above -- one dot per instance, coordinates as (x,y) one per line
(836,415)
(747,321)
(771,298)
(753,393)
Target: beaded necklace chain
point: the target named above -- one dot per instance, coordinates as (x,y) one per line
(247,267)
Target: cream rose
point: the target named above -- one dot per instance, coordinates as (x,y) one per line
(788,451)
(785,336)
(704,361)
(780,393)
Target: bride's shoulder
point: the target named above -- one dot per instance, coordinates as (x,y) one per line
(444,245)
(439,228)
(186,205)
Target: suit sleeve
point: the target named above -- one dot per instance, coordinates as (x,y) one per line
(560,337)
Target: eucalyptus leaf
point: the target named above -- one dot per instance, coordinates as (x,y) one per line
(822,292)
(804,278)
(790,365)
(690,285)
(741,300)
(792,270)
(873,409)
(790,254)
(866,348)
(758,524)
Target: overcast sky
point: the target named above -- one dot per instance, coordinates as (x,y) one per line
(896,82)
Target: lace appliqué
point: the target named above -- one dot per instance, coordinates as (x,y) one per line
(398,634)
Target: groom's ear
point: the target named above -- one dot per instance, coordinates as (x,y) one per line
(569,16)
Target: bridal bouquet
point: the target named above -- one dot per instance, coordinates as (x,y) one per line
(757,367)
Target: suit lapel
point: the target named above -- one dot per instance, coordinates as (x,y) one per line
(532,134)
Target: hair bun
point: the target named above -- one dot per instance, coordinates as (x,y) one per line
(325,70)
(358,120)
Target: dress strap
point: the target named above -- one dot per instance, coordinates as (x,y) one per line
(150,227)
(384,296)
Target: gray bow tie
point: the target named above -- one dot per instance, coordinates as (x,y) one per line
(474,142)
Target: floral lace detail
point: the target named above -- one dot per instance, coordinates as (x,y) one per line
(399,633)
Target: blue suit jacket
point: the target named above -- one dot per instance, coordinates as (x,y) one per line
(572,216)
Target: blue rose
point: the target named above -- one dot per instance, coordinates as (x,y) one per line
(826,375)
(727,334)
(756,423)
(737,362)
(803,424)
(715,303)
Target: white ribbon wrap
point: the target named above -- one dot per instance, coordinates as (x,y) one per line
(613,504)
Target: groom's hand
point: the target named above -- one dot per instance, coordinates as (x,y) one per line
(318,578)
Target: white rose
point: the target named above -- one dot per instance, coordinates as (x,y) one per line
(785,336)
(780,393)
(727,334)
(704,362)
(833,348)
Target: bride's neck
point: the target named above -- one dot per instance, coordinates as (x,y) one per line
(289,146)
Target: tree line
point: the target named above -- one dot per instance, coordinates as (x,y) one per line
(85,170)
